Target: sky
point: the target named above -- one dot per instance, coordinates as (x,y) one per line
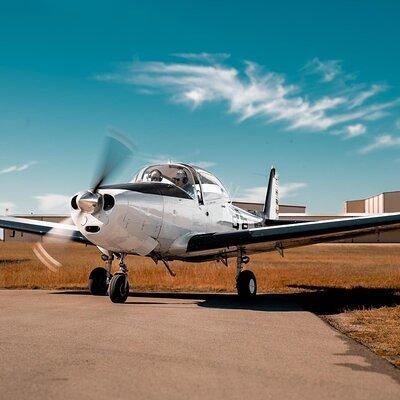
(310,87)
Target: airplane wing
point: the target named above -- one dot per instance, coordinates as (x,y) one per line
(61,231)
(293,235)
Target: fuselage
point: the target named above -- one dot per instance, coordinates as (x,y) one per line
(158,217)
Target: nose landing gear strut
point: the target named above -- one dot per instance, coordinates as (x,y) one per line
(119,284)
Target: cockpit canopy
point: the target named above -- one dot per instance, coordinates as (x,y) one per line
(195,181)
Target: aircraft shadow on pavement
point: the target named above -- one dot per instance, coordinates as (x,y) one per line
(321,300)
(325,300)
(263,302)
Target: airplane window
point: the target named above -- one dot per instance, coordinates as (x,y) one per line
(212,188)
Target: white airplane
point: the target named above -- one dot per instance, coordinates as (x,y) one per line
(178,211)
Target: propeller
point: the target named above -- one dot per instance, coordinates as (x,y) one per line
(117,149)
(51,237)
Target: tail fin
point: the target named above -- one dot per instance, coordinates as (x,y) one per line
(271,205)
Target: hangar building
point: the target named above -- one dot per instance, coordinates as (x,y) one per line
(386,202)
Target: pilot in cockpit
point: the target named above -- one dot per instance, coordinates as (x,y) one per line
(156,175)
(182,181)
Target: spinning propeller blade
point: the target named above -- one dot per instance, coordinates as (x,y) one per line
(51,237)
(116,150)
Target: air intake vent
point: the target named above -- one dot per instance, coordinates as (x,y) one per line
(108,202)
(92,229)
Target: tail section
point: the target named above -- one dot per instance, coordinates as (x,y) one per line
(271,205)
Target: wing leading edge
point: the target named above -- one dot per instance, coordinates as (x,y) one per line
(62,231)
(293,235)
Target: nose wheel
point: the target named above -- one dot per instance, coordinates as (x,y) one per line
(119,288)
(119,284)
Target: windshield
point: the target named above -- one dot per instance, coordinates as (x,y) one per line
(169,173)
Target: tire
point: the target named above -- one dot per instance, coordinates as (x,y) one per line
(98,282)
(246,285)
(119,288)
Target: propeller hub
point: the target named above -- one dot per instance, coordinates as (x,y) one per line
(89,202)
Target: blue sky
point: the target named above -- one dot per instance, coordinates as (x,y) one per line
(309,87)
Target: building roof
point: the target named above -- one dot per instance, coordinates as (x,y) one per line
(374,195)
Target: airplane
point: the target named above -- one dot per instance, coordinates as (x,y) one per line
(178,211)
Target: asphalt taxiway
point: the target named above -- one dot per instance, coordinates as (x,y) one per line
(73,345)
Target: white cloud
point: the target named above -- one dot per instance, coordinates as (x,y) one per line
(254,194)
(253,92)
(381,142)
(291,189)
(53,202)
(328,70)
(363,95)
(17,168)
(257,194)
(355,130)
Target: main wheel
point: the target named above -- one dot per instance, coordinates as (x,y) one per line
(119,288)
(98,282)
(246,284)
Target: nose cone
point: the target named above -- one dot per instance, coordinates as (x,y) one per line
(89,202)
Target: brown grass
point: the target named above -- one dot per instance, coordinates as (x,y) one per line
(377,328)
(355,286)
(339,266)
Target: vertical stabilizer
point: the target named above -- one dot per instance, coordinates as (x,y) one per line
(271,205)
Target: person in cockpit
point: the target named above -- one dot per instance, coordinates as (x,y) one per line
(182,181)
(155,176)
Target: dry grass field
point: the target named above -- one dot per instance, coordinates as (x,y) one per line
(355,287)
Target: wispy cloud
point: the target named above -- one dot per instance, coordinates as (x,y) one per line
(253,92)
(355,130)
(328,70)
(381,142)
(364,95)
(53,202)
(291,189)
(257,194)
(17,168)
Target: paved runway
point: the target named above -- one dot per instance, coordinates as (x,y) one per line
(73,346)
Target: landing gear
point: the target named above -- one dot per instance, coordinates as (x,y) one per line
(99,278)
(246,283)
(119,284)
(98,284)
